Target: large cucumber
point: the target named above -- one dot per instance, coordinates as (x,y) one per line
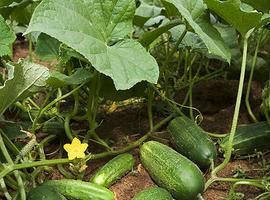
(154,193)
(172,171)
(249,138)
(113,170)
(81,190)
(191,141)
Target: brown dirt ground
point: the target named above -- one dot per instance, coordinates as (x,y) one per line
(215,99)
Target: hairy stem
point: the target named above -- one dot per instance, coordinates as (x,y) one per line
(228,152)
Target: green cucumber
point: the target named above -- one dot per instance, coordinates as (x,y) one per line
(191,141)
(53,128)
(81,190)
(113,170)
(154,193)
(172,171)
(249,138)
(45,193)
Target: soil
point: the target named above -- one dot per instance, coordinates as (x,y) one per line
(215,99)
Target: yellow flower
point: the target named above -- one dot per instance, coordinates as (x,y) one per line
(76,149)
(113,107)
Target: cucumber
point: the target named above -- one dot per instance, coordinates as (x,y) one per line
(53,128)
(191,141)
(45,193)
(172,171)
(155,193)
(248,138)
(113,170)
(81,190)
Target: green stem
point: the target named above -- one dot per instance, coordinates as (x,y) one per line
(254,61)
(30,48)
(61,169)
(216,135)
(92,109)
(8,169)
(132,145)
(190,92)
(10,162)
(232,190)
(5,190)
(228,152)
(33,103)
(43,110)
(10,144)
(149,107)
(234,180)
(267,116)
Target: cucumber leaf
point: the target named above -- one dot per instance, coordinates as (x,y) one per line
(194,12)
(260,5)
(98,30)
(7,37)
(232,12)
(47,48)
(57,79)
(25,78)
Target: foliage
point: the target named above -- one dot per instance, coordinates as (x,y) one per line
(25,78)
(106,55)
(6,39)
(100,38)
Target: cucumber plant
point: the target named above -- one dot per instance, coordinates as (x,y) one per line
(109,51)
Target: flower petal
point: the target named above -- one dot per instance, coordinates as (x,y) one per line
(80,155)
(83,147)
(72,156)
(68,147)
(76,141)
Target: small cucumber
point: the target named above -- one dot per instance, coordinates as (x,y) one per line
(53,128)
(172,171)
(191,141)
(155,193)
(81,190)
(248,138)
(113,170)
(45,193)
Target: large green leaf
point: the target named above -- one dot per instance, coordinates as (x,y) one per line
(47,48)
(194,12)
(150,36)
(25,78)
(260,5)
(144,12)
(97,29)
(57,79)
(7,37)
(231,12)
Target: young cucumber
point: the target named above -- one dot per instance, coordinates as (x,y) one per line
(113,170)
(191,141)
(249,138)
(172,171)
(45,193)
(81,190)
(154,193)
(53,128)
